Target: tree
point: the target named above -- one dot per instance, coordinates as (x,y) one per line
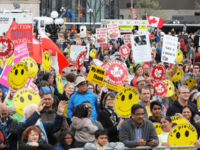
(149,7)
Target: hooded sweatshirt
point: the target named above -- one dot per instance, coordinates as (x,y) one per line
(84,129)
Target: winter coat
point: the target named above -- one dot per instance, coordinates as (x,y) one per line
(42,146)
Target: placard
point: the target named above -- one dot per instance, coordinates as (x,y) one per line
(101,35)
(98,63)
(177,120)
(158,127)
(169,49)
(59,83)
(170,87)
(190,82)
(46,60)
(7,47)
(113,31)
(141,48)
(32,66)
(21,51)
(127,39)
(158,72)
(75,50)
(160,88)
(124,50)
(80,60)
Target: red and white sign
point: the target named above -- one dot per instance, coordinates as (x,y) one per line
(80,60)
(113,31)
(117,72)
(110,47)
(7,47)
(155,21)
(124,50)
(101,34)
(127,39)
(158,72)
(98,63)
(33,87)
(160,88)
(134,13)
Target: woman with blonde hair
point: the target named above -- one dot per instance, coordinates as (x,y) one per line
(68,90)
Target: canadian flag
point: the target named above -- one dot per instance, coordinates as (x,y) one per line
(155,21)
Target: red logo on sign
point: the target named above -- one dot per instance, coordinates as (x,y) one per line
(113,35)
(117,71)
(124,50)
(80,60)
(101,40)
(158,72)
(34,87)
(160,88)
(7,47)
(98,63)
(110,47)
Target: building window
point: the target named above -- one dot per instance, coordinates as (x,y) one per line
(121,17)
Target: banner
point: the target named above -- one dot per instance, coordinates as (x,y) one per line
(113,31)
(97,75)
(101,35)
(23,33)
(21,51)
(7,47)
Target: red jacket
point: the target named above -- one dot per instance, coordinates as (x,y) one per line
(73,28)
(183,46)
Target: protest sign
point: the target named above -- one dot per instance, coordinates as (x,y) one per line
(4,76)
(59,83)
(158,72)
(23,33)
(7,47)
(158,127)
(179,55)
(117,72)
(178,120)
(170,87)
(21,51)
(33,87)
(32,66)
(98,63)
(169,49)
(141,48)
(190,82)
(178,75)
(75,50)
(80,60)
(175,95)
(127,39)
(93,53)
(124,50)
(101,35)
(113,31)
(97,75)
(46,60)
(160,88)
(9,60)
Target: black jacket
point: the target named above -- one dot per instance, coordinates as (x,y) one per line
(196,127)
(63,97)
(150,118)
(42,146)
(176,107)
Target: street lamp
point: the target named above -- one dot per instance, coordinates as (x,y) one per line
(90,11)
(53,25)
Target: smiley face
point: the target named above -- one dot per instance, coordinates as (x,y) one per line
(93,53)
(179,56)
(178,75)
(124,100)
(59,83)
(175,96)
(18,76)
(190,82)
(170,87)
(9,60)
(182,134)
(46,60)
(177,120)
(24,97)
(32,66)
(158,127)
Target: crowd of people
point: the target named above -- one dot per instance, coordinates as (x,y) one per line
(90,120)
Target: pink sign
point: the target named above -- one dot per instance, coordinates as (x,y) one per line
(113,31)
(27,83)
(21,51)
(4,76)
(101,34)
(127,39)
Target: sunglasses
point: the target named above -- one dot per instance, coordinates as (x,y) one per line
(73,70)
(196,67)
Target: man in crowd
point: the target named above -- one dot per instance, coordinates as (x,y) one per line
(156,110)
(140,82)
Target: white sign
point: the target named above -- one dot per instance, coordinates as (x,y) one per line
(113,31)
(123,22)
(169,49)
(141,48)
(75,50)
(101,35)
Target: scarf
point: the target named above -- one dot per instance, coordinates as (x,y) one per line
(113,116)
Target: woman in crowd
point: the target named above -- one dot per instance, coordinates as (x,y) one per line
(90,87)
(65,141)
(186,74)
(2,97)
(31,140)
(68,90)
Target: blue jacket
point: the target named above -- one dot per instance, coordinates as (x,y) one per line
(59,147)
(157,39)
(159,50)
(77,98)
(50,126)
(72,35)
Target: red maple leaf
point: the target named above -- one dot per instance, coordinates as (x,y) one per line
(152,21)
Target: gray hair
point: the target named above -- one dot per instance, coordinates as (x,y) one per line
(184,87)
(26,109)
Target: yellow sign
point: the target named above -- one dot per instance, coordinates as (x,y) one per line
(97,75)
(24,97)
(177,120)
(158,128)
(65,111)
(1,62)
(182,134)
(59,83)
(93,53)
(170,87)
(179,55)
(175,96)
(125,27)
(124,100)
(9,60)
(18,76)
(142,27)
(198,102)
(190,82)
(46,60)
(32,66)
(178,75)
(69,51)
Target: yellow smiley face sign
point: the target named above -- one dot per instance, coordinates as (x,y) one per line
(32,66)
(170,87)
(18,76)
(24,97)
(9,60)
(175,96)
(177,120)
(190,82)
(65,111)
(93,53)
(178,75)
(124,100)
(179,55)
(59,83)
(1,62)
(198,102)
(46,60)
(182,134)
(158,127)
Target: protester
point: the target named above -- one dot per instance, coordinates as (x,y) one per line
(68,90)
(156,110)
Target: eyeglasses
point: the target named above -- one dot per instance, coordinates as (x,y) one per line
(185,92)
(73,70)
(196,67)
(110,99)
(140,114)
(69,138)
(82,84)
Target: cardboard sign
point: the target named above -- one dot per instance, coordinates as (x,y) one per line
(182,134)
(80,60)
(4,76)
(158,127)
(124,50)
(21,51)
(59,83)
(124,100)
(117,72)
(98,63)
(190,82)
(46,60)
(158,72)
(127,38)
(24,97)
(113,31)
(178,75)
(170,87)
(32,66)
(177,120)
(7,47)
(75,51)
(160,88)
(101,35)
(23,33)
(179,56)
(97,75)
(169,49)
